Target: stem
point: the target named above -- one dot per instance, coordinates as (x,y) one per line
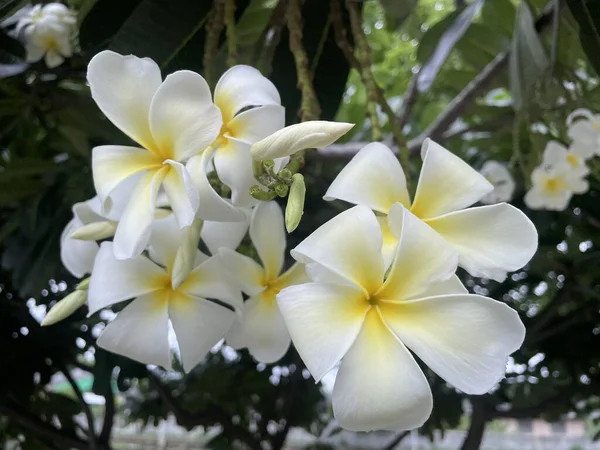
(231,40)
(476,429)
(214,27)
(86,409)
(109,414)
(396,440)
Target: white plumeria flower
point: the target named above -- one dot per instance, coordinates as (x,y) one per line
(140,330)
(503,182)
(262,329)
(584,130)
(240,88)
(555,154)
(218,235)
(553,187)
(491,240)
(368,321)
(172,120)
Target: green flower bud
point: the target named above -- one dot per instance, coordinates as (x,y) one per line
(65,307)
(295,203)
(261,195)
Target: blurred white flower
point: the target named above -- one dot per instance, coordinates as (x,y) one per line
(502,180)
(368,321)
(261,328)
(173,121)
(556,154)
(584,130)
(553,186)
(491,240)
(140,331)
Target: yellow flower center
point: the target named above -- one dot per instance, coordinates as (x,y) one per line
(553,185)
(573,160)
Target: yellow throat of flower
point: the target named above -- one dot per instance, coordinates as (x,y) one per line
(553,185)
(573,160)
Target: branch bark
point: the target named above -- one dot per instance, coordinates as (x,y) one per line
(396,440)
(479,418)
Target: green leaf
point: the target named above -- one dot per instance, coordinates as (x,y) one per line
(455,30)
(250,28)
(587,15)
(397,11)
(9,7)
(499,16)
(528,59)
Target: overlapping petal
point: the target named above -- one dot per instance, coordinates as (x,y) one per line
(267,233)
(77,256)
(257,123)
(234,167)
(223,234)
(244,271)
(181,192)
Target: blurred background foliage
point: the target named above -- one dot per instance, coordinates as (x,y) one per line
(490,79)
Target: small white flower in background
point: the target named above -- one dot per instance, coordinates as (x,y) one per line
(173,121)
(584,130)
(368,322)
(503,182)
(553,187)
(47,31)
(555,154)
(140,330)
(490,240)
(262,329)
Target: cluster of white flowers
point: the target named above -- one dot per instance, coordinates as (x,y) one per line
(48,31)
(371,284)
(563,170)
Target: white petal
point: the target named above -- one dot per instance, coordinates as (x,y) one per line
(554,153)
(452,285)
(199,325)
(34,52)
(489,238)
(535,198)
(267,233)
(585,132)
(300,136)
(115,280)
(422,257)
(53,59)
(263,330)
(390,242)
(241,87)
(123,87)
(183,118)
(501,178)
(212,205)
(244,271)
(77,256)
(294,275)
(373,178)
(584,149)
(578,114)
(223,234)
(466,339)
(234,167)
(446,183)
(379,385)
(350,245)
(323,320)
(257,123)
(135,226)
(140,331)
(112,165)
(165,239)
(182,193)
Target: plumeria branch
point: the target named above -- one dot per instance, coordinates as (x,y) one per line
(230,27)
(213,34)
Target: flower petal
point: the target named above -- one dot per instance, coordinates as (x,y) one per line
(446,183)
(489,238)
(350,245)
(241,87)
(244,271)
(199,325)
(373,178)
(123,87)
(77,256)
(257,123)
(323,320)
(267,233)
(113,164)
(452,285)
(182,193)
(466,339)
(115,280)
(234,167)
(183,118)
(422,258)
(223,234)
(294,275)
(141,331)
(390,242)
(135,226)
(212,205)
(379,385)
(165,239)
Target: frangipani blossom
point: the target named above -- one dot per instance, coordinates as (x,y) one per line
(490,240)
(262,329)
(240,88)
(172,121)
(369,321)
(584,130)
(140,330)
(552,187)
(555,154)
(503,182)
(218,235)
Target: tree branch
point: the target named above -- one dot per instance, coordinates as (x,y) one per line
(109,414)
(479,418)
(86,409)
(396,440)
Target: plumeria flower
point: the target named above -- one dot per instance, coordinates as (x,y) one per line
(240,88)
(503,182)
(172,121)
(369,320)
(140,330)
(490,240)
(262,329)
(584,130)
(556,154)
(218,235)
(553,187)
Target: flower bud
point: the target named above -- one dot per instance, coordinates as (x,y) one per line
(65,307)
(295,203)
(264,196)
(95,231)
(186,253)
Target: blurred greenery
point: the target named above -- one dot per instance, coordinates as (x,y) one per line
(48,125)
